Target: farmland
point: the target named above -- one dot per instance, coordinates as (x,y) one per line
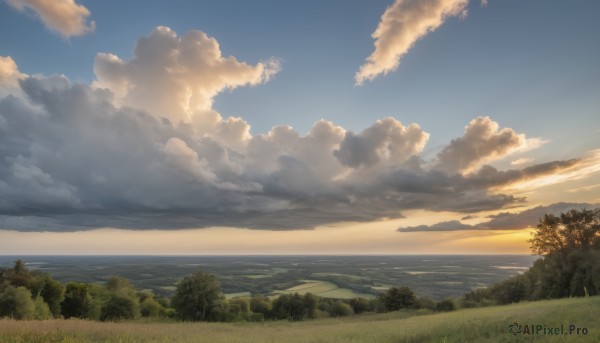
(435,276)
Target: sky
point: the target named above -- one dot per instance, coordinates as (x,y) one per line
(270,127)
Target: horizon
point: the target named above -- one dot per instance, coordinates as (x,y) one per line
(219,128)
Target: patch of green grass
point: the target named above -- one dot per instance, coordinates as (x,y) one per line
(237,295)
(473,325)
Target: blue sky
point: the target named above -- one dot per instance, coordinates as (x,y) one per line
(533,67)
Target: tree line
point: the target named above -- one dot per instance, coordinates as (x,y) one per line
(27,295)
(570,266)
(569,246)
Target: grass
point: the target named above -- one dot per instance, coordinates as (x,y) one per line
(473,325)
(323,289)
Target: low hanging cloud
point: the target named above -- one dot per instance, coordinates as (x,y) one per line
(504,220)
(76,156)
(401,26)
(66,17)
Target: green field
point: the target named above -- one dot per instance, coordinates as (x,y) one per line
(323,289)
(474,325)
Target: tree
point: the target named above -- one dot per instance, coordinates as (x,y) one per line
(311,302)
(573,230)
(16,302)
(397,298)
(52,292)
(79,302)
(198,297)
(261,305)
(341,309)
(288,306)
(446,305)
(42,311)
(360,305)
(150,308)
(19,275)
(120,307)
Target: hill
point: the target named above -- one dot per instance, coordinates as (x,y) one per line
(490,324)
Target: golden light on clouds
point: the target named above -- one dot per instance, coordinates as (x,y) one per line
(588,166)
(348,238)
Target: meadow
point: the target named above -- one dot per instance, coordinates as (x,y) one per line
(489,324)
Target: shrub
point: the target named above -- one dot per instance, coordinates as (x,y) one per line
(16,303)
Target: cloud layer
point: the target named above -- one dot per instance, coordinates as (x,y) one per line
(402,24)
(503,221)
(63,16)
(142,148)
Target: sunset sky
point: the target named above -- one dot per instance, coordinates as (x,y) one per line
(306,127)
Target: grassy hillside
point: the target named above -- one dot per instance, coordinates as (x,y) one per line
(473,325)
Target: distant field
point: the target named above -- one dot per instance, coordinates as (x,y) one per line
(323,289)
(474,325)
(436,276)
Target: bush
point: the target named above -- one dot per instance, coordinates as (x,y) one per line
(397,298)
(260,305)
(360,305)
(150,308)
(445,306)
(119,307)
(341,309)
(16,303)
(42,311)
(79,302)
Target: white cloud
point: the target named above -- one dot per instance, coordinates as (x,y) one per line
(9,73)
(177,77)
(76,156)
(63,16)
(483,141)
(401,25)
(386,141)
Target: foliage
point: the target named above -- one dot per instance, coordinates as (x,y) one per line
(341,309)
(150,308)
(397,298)
(120,307)
(16,302)
(79,302)
(360,305)
(198,297)
(573,230)
(260,304)
(42,311)
(445,305)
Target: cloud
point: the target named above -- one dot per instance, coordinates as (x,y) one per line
(387,140)
(63,16)
(402,24)
(76,156)
(177,77)
(505,220)
(521,161)
(482,142)
(9,73)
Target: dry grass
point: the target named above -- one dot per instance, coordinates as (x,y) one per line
(476,325)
